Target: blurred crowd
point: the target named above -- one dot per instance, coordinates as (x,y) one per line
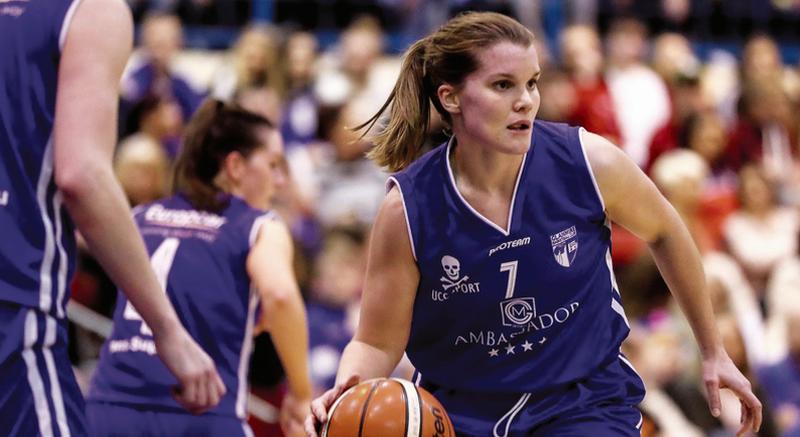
(719,135)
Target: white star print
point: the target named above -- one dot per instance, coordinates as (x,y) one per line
(510,350)
(493,352)
(527,345)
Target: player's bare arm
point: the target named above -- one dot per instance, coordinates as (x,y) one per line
(634,202)
(389,291)
(386,308)
(269,265)
(94,55)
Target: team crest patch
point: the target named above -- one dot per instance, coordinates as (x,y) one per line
(565,246)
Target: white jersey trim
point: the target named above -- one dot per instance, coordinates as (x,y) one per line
(62,37)
(617,307)
(628,363)
(509,416)
(393,180)
(58,201)
(581,132)
(257,223)
(45,276)
(247,342)
(612,276)
(248,432)
(244,356)
(506,231)
(35,378)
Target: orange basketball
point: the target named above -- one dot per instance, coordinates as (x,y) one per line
(387,407)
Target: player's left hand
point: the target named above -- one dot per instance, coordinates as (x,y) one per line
(200,387)
(293,413)
(720,372)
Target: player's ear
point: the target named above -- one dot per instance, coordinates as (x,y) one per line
(448,96)
(234,166)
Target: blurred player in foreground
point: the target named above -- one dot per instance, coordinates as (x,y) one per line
(59,75)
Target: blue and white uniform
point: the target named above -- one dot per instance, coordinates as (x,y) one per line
(200,258)
(37,245)
(517,328)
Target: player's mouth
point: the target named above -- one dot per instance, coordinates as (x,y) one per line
(522,126)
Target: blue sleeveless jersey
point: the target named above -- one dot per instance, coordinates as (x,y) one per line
(37,244)
(201,258)
(526,307)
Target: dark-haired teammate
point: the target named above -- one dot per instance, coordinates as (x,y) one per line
(219,251)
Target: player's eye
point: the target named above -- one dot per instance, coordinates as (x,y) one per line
(503,84)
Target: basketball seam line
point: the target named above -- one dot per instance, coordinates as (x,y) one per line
(333,409)
(364,409)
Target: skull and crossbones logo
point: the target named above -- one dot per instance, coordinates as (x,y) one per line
(452,268)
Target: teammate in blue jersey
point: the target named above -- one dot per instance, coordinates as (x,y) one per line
(501,289)
(218,251)
(59,75)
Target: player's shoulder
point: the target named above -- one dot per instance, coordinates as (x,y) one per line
(555,131)
(603,156)
(110,18)
(392,207)
(108,9)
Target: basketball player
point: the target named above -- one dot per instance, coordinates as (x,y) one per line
(501,290)
(218,250)
(59,74)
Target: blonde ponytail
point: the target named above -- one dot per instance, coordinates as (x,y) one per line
(400,142)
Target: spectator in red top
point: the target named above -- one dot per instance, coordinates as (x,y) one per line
(582,55)
(675,62)
(763,132)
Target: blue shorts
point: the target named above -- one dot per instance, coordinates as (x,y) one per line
(125,420)
(604,404)
(38,391)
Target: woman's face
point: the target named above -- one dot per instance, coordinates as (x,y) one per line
(755,191)
(255,52)
(496,104)
(708,139)
(263,172)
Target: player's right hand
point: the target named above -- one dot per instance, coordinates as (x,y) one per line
(293,414)
(199,386)
(319,406)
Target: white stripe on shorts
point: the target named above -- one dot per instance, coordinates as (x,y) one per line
(55,384)
(35,378)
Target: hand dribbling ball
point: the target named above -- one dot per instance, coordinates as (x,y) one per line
(387,407)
